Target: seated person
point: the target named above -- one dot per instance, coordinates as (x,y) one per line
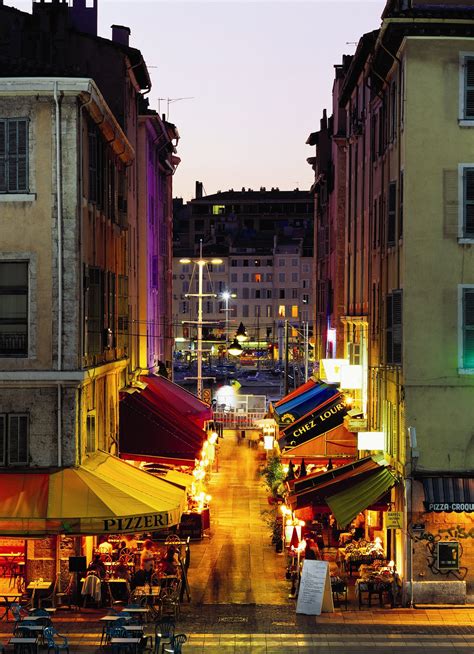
(312,550)
(96,566)
(170,562)
(122,571)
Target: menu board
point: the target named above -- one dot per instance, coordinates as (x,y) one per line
(315,595)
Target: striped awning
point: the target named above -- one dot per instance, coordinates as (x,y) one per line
(449,494)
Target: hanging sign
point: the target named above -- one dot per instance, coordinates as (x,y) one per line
(326,417)
(393,520)
(315,594)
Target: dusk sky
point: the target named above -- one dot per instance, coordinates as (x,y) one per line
(259,75)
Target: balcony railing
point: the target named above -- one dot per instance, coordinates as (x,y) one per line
(13,344)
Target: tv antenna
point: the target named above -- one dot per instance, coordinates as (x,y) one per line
(170,101)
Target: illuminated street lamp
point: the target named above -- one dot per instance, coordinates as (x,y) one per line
(241,334)
(201,264)
(235,348)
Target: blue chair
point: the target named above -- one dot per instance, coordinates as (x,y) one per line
(108,630)
(17,612)
(54,641)
(177,643)
(45,617)
(164,631)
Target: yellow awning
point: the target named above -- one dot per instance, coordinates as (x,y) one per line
(179,479)
(104,495)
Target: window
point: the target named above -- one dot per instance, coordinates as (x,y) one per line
(392,208)
(466,341)
(281,311)
(269,294)
(466,88)
(245,292)
(218,209)
(281,293)
(269,262)
(233,263)
(184,307)
(13,439)
(14,155)
(257,294)
(294,277)
(245,263)
(269,277)
(233,277)
(257,277)
(154,271)
(294,293)
(393,328)
(245,277)
(294,311)
(294,262)
(256,263)
(269,311)
(94,289)
(122,305)
(466,201)
(13,309)
(245,310)
(281,262)
(281,277)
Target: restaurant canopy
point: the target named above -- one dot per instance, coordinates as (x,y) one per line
(324,417)
(102,496)
(306,398)
(174,396)
(444,493)
(152,430)
(323,488)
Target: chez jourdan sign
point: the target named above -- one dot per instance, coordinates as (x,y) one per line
(314,593)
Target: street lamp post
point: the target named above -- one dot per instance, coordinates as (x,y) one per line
(201,264)
(226,295)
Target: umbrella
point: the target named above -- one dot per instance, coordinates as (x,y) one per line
(303,472)
(295,541)
(291,471)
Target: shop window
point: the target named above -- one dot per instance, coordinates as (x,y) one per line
(13,309)
(466,321)
(13,439)
(13,155)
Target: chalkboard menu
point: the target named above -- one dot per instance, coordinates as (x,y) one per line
(190,525)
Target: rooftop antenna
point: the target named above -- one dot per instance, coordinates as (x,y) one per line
(170,101)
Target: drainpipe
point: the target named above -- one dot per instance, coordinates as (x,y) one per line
(60,259)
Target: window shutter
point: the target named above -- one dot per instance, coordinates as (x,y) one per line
(17,439)
(397,326)
(392,206)
(3,428)
(468,228)
(469,88)
(3,156)
(468,328)
(22,156)
(388,330)
(11,155)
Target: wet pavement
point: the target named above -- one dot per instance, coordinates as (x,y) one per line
(239,594)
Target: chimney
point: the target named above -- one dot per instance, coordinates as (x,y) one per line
(198,190)
(84,18)
(121,34)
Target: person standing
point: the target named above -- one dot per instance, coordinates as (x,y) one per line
(147,560)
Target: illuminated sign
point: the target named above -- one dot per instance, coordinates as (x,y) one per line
(324,418)
(393,520)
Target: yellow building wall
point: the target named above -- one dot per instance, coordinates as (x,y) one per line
(439,401)
(25,228)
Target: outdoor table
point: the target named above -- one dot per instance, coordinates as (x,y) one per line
(38,589)
(118,643)
(141,612)
(114,618)
(49,609)
(134,627)
(9,599)
(31,642)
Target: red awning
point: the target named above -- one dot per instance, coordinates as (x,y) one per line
(298,391)
(178,399)
(151,430)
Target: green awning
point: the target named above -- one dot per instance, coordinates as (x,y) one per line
(348,503)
